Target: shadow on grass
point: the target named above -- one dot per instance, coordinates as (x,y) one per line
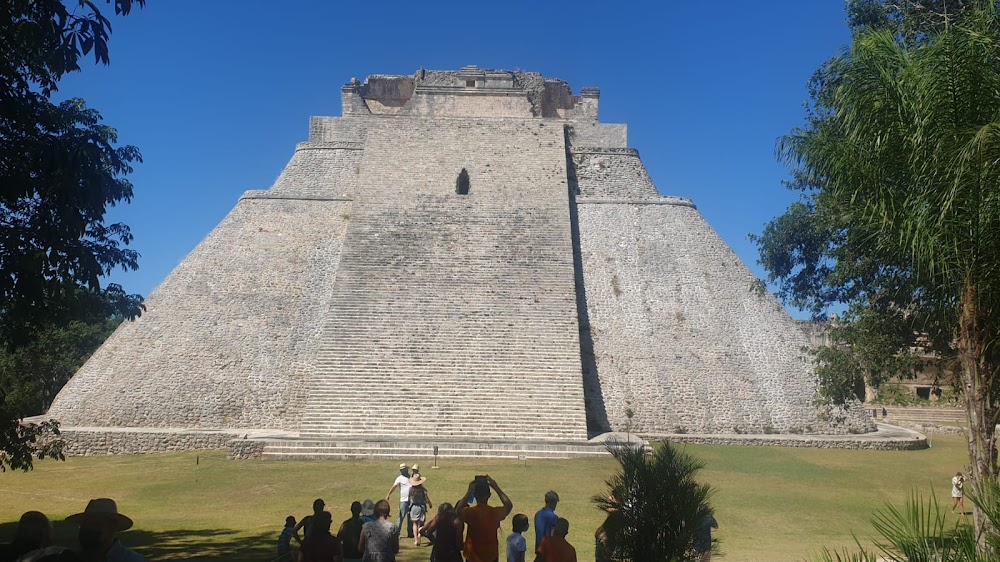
(181,544)
(203,544)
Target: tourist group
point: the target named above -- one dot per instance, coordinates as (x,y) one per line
(467,530)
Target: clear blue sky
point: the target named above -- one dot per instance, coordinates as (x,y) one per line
(216,94)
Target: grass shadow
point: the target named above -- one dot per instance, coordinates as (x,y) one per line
(203,544)
(180,544)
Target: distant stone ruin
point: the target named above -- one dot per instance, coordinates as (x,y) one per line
(461,255)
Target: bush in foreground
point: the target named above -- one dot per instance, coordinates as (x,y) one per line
(654,505)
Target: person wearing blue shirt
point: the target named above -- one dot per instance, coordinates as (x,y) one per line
(285,539)
(546,518)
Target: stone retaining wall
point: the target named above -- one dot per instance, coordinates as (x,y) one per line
(100,441)
(244,449)
(818,442)
(81,443)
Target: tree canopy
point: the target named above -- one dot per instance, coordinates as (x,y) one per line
(61,168)
(899,168)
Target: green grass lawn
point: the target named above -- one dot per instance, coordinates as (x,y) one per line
(772,504)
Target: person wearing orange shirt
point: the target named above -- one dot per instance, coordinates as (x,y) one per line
(483,520)
(554,547)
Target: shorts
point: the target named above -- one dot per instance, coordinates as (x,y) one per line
(418,512)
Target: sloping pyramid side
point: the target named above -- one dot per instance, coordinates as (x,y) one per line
(228,338)
(683,337)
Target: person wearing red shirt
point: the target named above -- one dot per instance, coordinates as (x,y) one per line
(554,547)
(483,520)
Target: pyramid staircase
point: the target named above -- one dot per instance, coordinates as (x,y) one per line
(452,317)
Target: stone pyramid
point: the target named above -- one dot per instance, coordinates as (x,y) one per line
(465,255)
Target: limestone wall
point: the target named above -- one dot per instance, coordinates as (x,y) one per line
(611,174)
(321,170)
(82,443)
(387,94)
(584,135)
(472,103)
(681,335)
(336,129)
(227,339)
(885,444)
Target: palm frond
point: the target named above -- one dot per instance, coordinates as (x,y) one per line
(654,505)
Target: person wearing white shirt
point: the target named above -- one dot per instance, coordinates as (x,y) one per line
(403,483)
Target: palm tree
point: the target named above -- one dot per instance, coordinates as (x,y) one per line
(908,149)
(919,531)
(654,505)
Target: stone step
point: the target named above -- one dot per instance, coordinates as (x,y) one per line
(357,342)
(346,450)
(471,395)
(415,359)
(511,436)
(461,323)
(375,416)
(437,377)
(427,349)
(396,427)
(362,416)
(418,350)
(451,373)
(449,401)
(922,414)
(370,414)
(454,406)
(457,385)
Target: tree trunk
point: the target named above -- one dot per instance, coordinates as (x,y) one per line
(979,380)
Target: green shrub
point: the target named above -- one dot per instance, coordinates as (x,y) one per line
(653,504)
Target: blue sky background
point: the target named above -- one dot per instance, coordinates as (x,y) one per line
(217,94)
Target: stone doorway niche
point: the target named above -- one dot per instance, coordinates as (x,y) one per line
(462,183)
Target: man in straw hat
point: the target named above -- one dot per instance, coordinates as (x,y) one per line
(403,483)
(99,525)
